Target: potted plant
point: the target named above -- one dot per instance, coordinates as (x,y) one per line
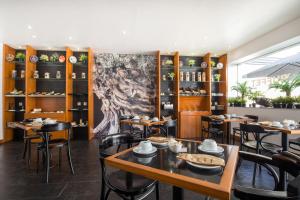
(192,62)
(288,102)
(297,102)
(44,58)
(169,62)
(171,75)
(83,58)
(212,64)
(277,102)
(253,95)
(20,57)
(243,102)
(242,89)
(231,101)
(217,77)
(239,102)
(287,86)
(54,57)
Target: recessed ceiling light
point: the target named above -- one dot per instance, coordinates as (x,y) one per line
(20,47)
(29,27)
(70,37)
(215,55)
(193,54)
(205,38)
(49,48)
(33,36)
(124,32)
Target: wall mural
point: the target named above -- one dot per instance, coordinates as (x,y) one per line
(123,84)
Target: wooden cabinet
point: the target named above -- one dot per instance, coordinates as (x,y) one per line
(190,123)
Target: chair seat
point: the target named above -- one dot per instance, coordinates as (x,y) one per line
(31,137)
(267,146)
(295,141)
(237,129)
(126,182)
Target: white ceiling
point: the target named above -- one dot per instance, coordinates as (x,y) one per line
(130,26)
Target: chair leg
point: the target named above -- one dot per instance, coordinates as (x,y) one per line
(157,191)
(107,193)
(254,174)
(25,148)
(37,161)
(29,153)
(69,158)
(233,137)
(59,157)
(102,195)
(47,158)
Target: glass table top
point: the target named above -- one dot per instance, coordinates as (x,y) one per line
(167,161)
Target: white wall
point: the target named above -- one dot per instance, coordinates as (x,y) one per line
(268,114)
(283,36)
(1,121)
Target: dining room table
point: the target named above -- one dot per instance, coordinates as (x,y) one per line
(228,121)
(147,124)
(166,167)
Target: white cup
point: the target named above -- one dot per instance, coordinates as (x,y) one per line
(275,123)
(146,117)
(145,146)
(155,119)
(209,144)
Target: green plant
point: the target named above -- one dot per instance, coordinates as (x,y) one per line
(287,86)
(212,63)
(20,56)
(242,89)
(171,75)
(231,100)
(217,77)
(83,58)
(288,100)
(253,95)
(169,62)
(192,62)
(297,99)
(54,57)
(277,100)
(44,58)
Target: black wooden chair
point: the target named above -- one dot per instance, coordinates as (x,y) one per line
(285,161)
(210,128)
(129,129)
(252,137)
(236,130)
(170,124)
(59,143)
(28,140)
(124,184)
(295,145)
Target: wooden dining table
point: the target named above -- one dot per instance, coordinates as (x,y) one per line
(228,121)
(145,123)
(165,167)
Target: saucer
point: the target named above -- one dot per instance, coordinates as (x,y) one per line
(137,150)
(218,151)
(203,166)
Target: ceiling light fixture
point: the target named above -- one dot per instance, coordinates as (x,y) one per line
(124,32)
(205,38)
(33,36)
(78,49)
(29,27)
(70,37)
(49,48)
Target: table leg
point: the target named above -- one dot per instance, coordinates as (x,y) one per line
(228,126)
(177,193)
(282,174)
(47,157)
(145,131)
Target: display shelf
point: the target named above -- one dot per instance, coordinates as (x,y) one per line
(49,79)
(47,96)
(13,95)
(51,64)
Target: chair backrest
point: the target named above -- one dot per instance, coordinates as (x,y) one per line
(59,126)
(288,162)
(251,128)
(254,117)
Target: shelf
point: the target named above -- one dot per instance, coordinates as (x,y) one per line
(13,95)
(17,79)
(51,64)
(22,63)
(203,95)
(80,79)
(218,82)
(78,94)
(78,110)
(49,79)
(80,64)
(85,126)
(167,67)
(192,67)
(215,69)
(194,81)
(46,96)
(16,111)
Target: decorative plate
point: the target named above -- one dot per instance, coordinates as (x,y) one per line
(61,59)
(73,59)
(203,65)
(33,58)
(10,57)
(220,66)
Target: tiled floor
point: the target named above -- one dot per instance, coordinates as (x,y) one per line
(19,182)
